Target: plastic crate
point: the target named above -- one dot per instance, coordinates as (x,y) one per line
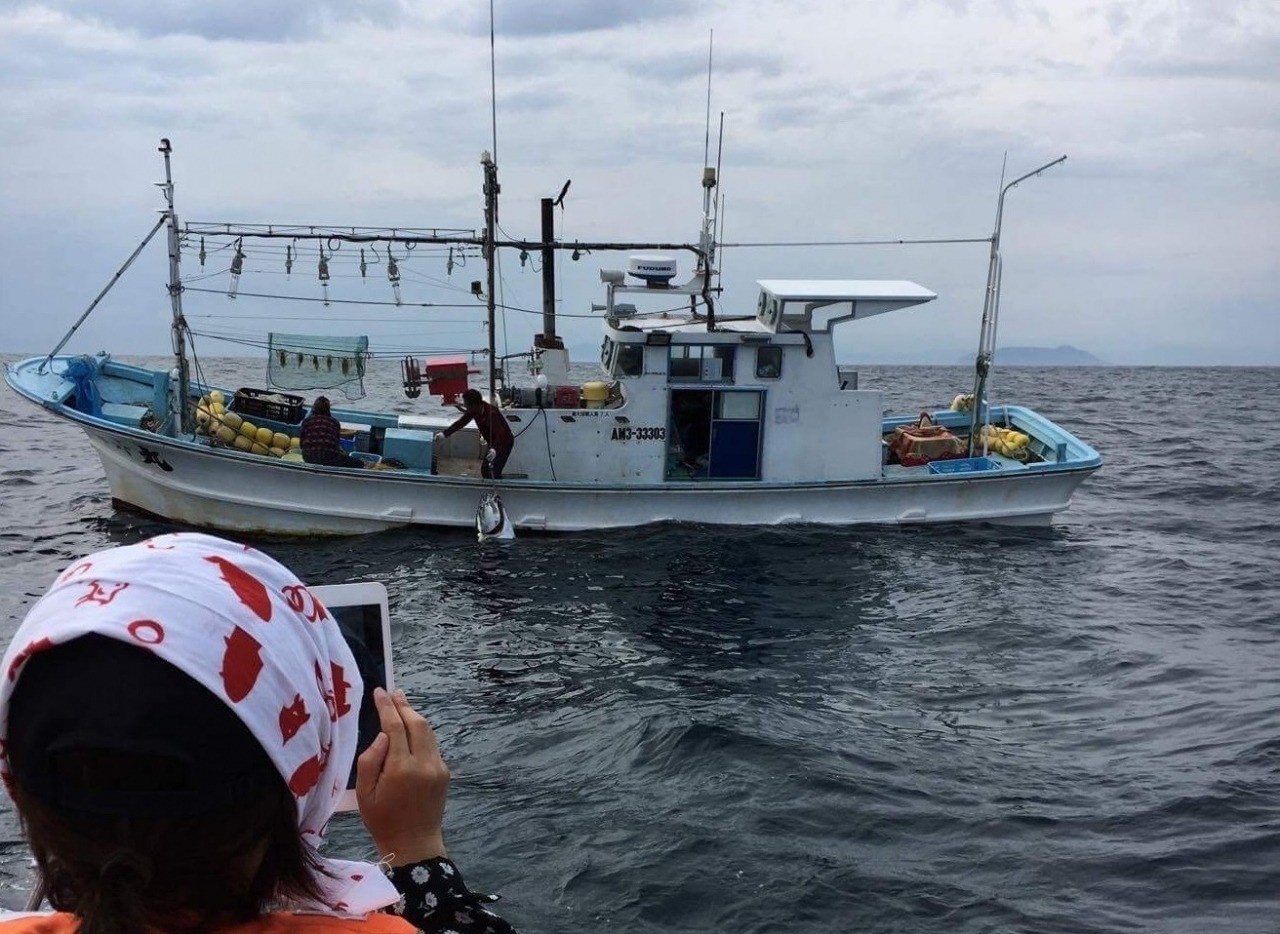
(962,465)
(263,403)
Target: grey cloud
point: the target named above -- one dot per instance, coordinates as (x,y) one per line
(523,18)
(1259,61)
(278,21)
(673,65)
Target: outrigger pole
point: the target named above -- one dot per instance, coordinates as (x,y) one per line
(991,312)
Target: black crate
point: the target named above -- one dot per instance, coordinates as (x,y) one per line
(263,403)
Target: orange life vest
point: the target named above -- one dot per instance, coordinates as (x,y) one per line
(277,922)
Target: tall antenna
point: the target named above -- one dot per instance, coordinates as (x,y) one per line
(493,84)
(706,142)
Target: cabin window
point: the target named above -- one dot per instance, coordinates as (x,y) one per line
(708,363)
(738,405)
(630,361)
(768,362)
(770,310)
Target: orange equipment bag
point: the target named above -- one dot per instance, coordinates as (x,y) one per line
(925,441)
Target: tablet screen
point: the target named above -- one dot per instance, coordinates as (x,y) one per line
(361,613)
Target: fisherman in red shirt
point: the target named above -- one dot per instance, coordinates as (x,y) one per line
(493,428)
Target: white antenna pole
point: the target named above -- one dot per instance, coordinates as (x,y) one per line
(493,89)
(706,141)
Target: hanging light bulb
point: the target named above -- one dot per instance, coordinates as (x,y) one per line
(288,259)
(203,254)
(324,282)
(364,267)
(524,258)
(448,266)
(237,267)
(393,276)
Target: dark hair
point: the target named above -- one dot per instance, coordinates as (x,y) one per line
(122,875)
(152,806)
(320,406)
(472,397)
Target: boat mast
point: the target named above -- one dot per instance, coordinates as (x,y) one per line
(990,314)
(490,222)
(707,236)
(175,298)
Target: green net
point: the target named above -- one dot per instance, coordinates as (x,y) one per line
(308,361)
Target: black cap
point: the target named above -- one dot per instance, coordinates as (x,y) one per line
(100,726)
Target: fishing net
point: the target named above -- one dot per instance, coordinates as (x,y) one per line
(306,361)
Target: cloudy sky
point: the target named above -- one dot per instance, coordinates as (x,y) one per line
(1156,242)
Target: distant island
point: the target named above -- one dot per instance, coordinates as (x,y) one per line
(1062,355)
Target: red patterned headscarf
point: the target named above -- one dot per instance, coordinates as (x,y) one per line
(243,626)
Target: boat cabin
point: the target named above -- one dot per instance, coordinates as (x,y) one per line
(756,398)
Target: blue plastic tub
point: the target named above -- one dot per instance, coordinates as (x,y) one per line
(963,465)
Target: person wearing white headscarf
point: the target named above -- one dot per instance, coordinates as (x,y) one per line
(177,722)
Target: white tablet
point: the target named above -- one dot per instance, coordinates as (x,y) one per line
(361,613)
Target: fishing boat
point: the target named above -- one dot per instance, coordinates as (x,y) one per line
(700,413)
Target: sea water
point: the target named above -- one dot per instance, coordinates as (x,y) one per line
(687,728)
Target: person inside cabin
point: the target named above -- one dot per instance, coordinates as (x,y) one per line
(321,438)
(177,722)
(691,416)
(493,428)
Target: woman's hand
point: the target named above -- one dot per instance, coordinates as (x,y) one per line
(401,784)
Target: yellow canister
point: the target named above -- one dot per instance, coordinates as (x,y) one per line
(595,394)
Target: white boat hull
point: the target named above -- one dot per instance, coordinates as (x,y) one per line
(244,493)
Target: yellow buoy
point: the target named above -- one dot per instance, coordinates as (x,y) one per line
(295,442)
(217,397)
(280,440)
(294,457)
(249,430)
(232,420)
(257,448)
(277,451)
(265,436)
(242,443)
(225,434)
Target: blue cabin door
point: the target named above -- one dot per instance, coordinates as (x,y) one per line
(735,436)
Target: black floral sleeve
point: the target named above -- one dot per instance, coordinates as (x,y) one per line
(434,898)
